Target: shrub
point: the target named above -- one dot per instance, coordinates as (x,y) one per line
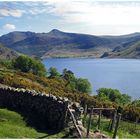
(27,64)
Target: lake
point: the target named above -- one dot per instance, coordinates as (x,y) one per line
(121,74)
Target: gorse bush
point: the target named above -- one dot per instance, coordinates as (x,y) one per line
(132,110)
(21,82)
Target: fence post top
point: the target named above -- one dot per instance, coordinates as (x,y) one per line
(119,114)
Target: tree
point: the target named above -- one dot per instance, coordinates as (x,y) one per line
(70,79)
(53,73)
(27,64)
(76,84)
(83,85)
(23,63)
(113,95)
(38,68)
(136,103)
(68,75)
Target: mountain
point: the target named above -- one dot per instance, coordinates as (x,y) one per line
(61,44)
(6,53)
(131,51)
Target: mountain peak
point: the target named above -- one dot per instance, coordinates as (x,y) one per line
(55,31)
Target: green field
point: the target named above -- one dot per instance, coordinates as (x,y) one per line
(125,130)
(12,125)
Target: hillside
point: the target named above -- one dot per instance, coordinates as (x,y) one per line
(132,51)
(61,44)
(6,53)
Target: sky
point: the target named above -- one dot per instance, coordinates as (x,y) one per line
(97,17)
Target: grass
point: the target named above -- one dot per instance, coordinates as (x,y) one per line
(12,125)
(126,129)
(129,129)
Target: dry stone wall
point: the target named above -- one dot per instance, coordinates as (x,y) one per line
(41,110)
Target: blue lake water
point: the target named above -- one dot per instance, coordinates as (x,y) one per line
(121,74)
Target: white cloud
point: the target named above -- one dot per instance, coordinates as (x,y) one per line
(35,11)
(83,11)
(95,13)
(112,17)
(85,16)
(9,27)
(11,12)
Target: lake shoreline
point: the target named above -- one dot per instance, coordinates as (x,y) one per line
(89,58)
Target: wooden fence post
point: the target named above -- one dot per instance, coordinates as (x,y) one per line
(75,124)
(117,125)
(85,114)
(113,121)
(89,121)
(137,119)
(99,120)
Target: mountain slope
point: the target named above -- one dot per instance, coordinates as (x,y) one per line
(61,44)
(6,53)
(132,51)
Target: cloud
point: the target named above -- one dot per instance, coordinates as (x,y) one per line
(85,16)
(35,11)
(97,16)
(95,12)
(9,27)
(11,12)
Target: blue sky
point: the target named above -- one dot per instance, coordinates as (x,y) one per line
(98,17)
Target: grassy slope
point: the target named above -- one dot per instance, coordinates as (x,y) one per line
(126,129)
(12,125)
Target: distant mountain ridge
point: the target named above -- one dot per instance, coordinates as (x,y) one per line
(61,44)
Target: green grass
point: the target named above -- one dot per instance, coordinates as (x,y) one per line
(12,125)
(129,129)
(126,129)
